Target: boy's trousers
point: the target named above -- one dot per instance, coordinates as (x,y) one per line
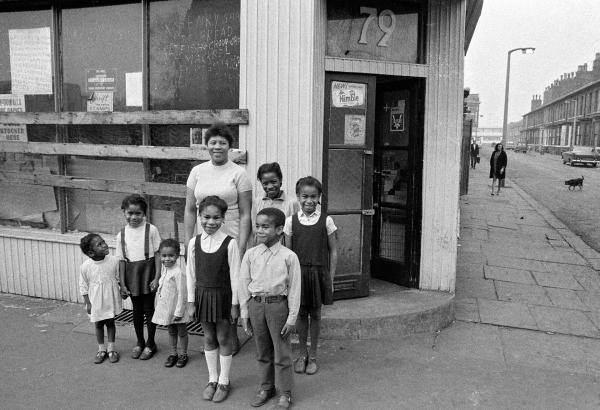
(274,354)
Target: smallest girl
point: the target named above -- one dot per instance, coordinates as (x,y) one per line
(212,274)
(311,234)
(99,286)
(171,308)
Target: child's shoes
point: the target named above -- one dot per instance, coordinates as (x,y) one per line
(148,353)
(113,357)
(171,360)
(136,352)
(262,397)
(311,365)
(209,391)
(100,357)
(300,364)
(285,402)
(221,393)
(182,361)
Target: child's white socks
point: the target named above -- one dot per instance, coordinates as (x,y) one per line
(225,366)
(211,357)
(102,347)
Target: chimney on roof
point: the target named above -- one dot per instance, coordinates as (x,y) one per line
(585,66)
(536,102)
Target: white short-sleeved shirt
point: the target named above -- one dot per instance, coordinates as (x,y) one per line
(309,220)
(225,181)
(134,243)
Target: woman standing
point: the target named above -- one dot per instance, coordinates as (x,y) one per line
(498,162)
(227,180)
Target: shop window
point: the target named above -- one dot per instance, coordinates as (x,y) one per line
(26,85)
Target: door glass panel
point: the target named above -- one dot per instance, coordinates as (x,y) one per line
(349,243)
(392,234)
(394,119)
(395,177)
(347,113)
(345,179)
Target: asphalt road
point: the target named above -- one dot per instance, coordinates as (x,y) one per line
(543,177)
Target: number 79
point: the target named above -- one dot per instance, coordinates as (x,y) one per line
(387,29)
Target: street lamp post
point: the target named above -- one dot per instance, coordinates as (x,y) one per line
(524,50)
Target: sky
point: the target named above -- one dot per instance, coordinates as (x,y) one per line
(565,33)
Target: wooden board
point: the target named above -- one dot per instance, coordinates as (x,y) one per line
(204,117)
(25,200)
(114,151)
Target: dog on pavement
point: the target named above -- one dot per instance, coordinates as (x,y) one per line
(575,182)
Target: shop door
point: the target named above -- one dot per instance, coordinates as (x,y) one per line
(348,176)
(396,184)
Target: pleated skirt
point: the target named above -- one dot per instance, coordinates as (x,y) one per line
(138,276)
(316,286)
(213,304)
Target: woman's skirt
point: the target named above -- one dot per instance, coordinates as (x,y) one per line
(212,304)
(316,286)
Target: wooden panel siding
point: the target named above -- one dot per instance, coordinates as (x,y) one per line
(116,151)
(441,154)
(349,65)
(236,116)
(65,181)
(281,81)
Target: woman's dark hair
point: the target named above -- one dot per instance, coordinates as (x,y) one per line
(269,167)
(86,242)
(496,147)
(213,200)
(309,181)
(170,243)
(135,199)
(219,129)
(275,215)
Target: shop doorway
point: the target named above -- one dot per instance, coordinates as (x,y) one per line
(372,172)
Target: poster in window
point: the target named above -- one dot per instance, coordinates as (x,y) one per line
(101,80)
(354,130)
(30,60)
(397,117)
(198,137)
(12,132)
(100,101)
(133,89)
(348,95)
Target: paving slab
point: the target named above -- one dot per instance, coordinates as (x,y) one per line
(473,340)
(494,259)
(555,255)
(565,298)
(589,281)
(465,256)
(573,269)
(467,310)
(469,270)
(508,274)
(565,321)
(595,263)
(517,292)
(591,299)
(594,317)
(506,314)
(551,352)
(557,280)
(475,288)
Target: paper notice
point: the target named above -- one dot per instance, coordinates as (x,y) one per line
(133,89)
(12,132)
(30,60)
(346,95)
(354,129)
(100,101)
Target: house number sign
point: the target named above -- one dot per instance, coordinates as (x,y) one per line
(386,20)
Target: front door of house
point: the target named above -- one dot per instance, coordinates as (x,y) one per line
(349,125)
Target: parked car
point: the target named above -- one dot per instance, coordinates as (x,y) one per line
(582,156)
(509,145)
(521,147)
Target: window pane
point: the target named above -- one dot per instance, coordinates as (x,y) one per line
(349,243)
(102,65)
(344,183)
(22,33)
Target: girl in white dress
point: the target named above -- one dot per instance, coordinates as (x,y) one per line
(171,302)
(99,286)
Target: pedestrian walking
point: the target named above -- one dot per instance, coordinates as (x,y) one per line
(212,275)
(474,149)
(270,289)
(171,307)
(99,286)
(498,161)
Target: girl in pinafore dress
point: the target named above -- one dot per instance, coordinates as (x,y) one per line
(171,308)
(99,286)
(139,270)
(212,274)
(311,234)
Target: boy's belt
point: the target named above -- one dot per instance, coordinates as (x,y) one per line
(269,299)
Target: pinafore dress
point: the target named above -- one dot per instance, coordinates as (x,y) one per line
(310,244)
(213,284)
(139,274)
